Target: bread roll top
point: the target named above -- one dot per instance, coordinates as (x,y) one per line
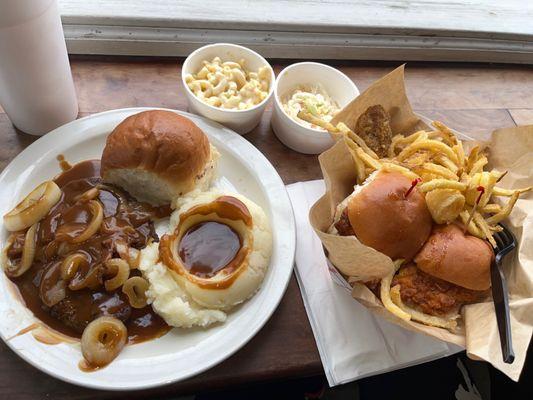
(385,218)
(459,258)
(161,142)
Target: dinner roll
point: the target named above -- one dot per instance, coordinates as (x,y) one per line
(385,218)
(158,155)
(456,257)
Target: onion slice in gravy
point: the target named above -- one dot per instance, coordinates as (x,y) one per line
(33,208)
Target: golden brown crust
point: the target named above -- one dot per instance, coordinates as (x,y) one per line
(158,141)
(374,127)
(461,259)
(432,295)
(384,219)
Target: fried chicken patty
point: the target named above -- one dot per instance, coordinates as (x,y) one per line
(343,226)
(374,127)
(432,295)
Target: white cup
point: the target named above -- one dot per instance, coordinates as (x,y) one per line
(337,85)
(241,121)
(36,86)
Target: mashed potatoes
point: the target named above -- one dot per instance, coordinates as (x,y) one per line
(181,301)
(168,299)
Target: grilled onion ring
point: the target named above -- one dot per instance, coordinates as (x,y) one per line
(50,250)
(33,208)
(135,288)
(52,287)
(90,194)
(102,340)
(97,212)
(129,254)
(121,271)
(134,258)
(91,280)
(64,248)
(71,264)
(28,253)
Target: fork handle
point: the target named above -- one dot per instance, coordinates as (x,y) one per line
(501,306)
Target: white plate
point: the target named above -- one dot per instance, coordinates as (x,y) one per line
(181,353)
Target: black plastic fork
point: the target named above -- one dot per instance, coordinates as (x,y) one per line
(506,243)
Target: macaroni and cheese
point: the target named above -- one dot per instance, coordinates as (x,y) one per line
(229,84)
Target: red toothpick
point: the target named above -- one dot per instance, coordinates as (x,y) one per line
(413,185)
(481,191)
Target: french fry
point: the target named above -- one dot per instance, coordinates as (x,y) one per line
(459,150)
(478,165)
(472,157)
(412,137)
(491,208)
(392,148)
(365,157)
(403,141)
(471,227)
(484,227)
(498,191)
(446,162)
(359,165)
(427,176)
(431,145)
(495,228)
(442,184)
(388,166)
(445,132)
(440,170)
(357,139)
(306,116)
(385,294)
(505,211)
(417,159)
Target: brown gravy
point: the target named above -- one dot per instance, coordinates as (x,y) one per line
(125,220)
(24,331)
(208,247)
(47,336)
(225,207)
(85,366)
(63,164)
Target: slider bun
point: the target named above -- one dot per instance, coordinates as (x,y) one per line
(382,218)
(158,155)
(461,259)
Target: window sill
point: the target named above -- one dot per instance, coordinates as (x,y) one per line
(332,29)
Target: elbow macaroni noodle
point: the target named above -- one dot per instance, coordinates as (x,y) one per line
(229,85)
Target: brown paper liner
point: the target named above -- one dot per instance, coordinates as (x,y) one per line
(510,149)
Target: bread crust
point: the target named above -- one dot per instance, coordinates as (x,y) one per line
(452,256)
(161,142)
(383,218)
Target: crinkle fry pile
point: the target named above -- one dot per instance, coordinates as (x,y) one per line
(455,184)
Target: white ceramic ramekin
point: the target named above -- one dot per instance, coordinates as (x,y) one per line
(241,121)
(337,85)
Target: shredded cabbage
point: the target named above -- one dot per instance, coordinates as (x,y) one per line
(312,99)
